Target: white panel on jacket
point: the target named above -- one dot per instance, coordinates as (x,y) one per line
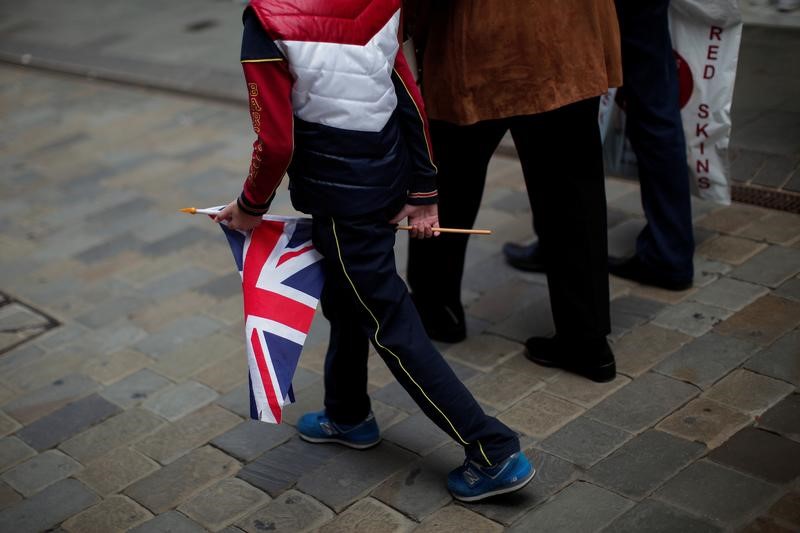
(343,85)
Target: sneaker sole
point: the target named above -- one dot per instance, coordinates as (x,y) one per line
(518,486)
(353,445)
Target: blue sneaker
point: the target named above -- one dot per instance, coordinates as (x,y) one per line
(471,482)
(317,427)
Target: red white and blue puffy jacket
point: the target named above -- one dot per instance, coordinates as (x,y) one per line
(334,105)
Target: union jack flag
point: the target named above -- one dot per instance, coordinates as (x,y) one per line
(282,279)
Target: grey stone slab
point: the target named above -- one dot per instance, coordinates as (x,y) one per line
(169,522)
(657,517)
(781,360)
(13,451)
(110,248)
(707,359)
(643,402)
(252,438)
(692,318)
(40,402)
(67,422)
(417,433)
(280,468)
(184,238)
(340,482)
(222,287)
(130,207)
(135,388)
(771,267)
(775,171)
(790,289)
(237,401)
(223,503)
(761,454)
(111,311)
(716,493)
(8,496)
(644,463)
(729,294)
(584,441)
(291,511)
(395,395)
(628,312)
(534,320)
(552,474)
(179,481)
(579,507)
(178,332)
(783,417)
(38,472)
(48,508)
(179,400)
(176,282)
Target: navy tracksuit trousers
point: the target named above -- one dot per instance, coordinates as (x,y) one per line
(365,300)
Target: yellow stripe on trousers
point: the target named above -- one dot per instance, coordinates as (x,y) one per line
(399,362)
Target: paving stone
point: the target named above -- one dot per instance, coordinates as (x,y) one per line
(580,391)
(354,473)
(716,493)
(7,424)
(503,387)
(419,489)
(8,496)
(396,396)
(48,508)
(642,348)
(764,524)
(67,422)
(782,418)
(177,482)
(173,283)
(174,440)
(771,267)
(777,228)
(117,513)
(540,414)
(123,429)
(534,320)
(628,312)
(252,438)
(177,333)
(781,360)
(552,474)
(369,515)
(417,433)
(644,463)
(707,359)
(509,297)
(692,318)
(705,420)
(730,294)
(177,401)
(13,451)
(279,468)
(161,313)
(223,503)
(789,290)
(787,509)
(41,471)
(111,368)
(227,374)
(579,507)
(292,511)
(33,405)
(749,392)
(457,519)
(135,388)
(647,292)
(584,441)
(312,398)
(763,321)
(195,356)
(483,352)
(109,312)
(171,522)
(657,517)
(386,416)
(622,237)
(732,218)
(730,249)
(707,271)
(643,402)
(221,287)
(116,470)
(183,238)
(238,401)
(760,454)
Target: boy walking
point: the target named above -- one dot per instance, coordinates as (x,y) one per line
(334,105)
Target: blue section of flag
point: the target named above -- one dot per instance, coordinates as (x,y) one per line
(236,240)
(302,233)
(309,280)
(284,355)
(253,407)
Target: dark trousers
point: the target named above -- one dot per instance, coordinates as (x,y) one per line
(366,300)
(561,158)
(666,244)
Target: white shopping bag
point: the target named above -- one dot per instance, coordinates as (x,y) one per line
(705,36)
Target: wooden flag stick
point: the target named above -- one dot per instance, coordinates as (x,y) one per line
(198,211)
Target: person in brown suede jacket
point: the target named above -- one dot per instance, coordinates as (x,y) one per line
(535,68)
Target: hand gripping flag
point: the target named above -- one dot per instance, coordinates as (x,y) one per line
(282,279)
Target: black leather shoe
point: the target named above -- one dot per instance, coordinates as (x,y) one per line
(444,323)
(634,269)
(524,257)
(592,360)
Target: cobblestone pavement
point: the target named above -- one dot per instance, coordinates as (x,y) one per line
(123,397)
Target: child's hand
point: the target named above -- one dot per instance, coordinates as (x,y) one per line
(236,218)
(423,220)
